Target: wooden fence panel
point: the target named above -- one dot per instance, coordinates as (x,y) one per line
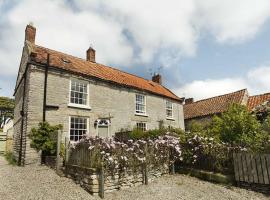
(252,168)
(264,169)
(236,167)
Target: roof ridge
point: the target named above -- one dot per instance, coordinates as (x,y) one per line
(217,96)
(268,93)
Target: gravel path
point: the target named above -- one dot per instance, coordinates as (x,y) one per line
(40,182)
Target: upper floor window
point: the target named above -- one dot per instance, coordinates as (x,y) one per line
(169,109)
(140,104)
(79,92)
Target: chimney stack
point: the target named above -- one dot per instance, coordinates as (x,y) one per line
(189,101)
(30,33)
(91,55)
(157,79)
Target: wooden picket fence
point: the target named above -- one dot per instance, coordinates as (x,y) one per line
(252,168)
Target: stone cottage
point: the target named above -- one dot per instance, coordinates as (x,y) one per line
(205,109)
(85,97)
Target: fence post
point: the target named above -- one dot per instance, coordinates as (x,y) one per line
(145,174)
(58,158)
(101,182)
(172,168)
(66,150)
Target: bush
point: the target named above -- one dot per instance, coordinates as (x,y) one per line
(130,154)
(44,138)
(137,134)
(237,126)
(10,158)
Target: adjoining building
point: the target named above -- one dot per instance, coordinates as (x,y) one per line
(85,97)
(203,110)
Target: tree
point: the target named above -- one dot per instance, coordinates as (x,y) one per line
(236,126)
(6,108)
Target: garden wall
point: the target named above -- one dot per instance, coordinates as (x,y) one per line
(103,181)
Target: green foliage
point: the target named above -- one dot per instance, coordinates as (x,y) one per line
(236,126)
(10,158)
(44,138)
(6,108)
(137,134)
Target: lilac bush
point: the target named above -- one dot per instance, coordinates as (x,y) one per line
(208,153)
(131,154)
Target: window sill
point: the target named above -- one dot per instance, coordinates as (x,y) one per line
(169,118)
(79,106)
(141,114)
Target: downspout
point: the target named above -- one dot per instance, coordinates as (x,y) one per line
(22,116)
(45,87)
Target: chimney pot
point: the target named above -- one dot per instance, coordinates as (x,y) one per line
(30,33)
(157,78)
(91,55)
(189,100)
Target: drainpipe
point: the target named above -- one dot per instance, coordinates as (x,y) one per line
(45,87)
(20,163)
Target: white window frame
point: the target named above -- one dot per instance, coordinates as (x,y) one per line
(87,106)
(69,125)
(141,123)
(138,112)
(167,109)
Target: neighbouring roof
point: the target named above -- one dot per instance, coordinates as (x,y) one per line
(254,101)
(213,105)
(81,66)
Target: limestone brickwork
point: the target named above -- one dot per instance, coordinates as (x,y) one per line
(106,101)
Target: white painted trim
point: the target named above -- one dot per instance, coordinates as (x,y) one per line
(87,124)
(169,117)
(87,106)
(145,105)
(73,105)
(141,114)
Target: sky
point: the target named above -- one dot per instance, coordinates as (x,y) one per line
(201,48)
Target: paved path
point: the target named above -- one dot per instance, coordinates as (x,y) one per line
(40,182)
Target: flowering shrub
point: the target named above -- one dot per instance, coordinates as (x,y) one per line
(112,154)
(209,154)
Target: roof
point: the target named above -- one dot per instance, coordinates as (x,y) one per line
(214,105)
(254,101)
(106,73)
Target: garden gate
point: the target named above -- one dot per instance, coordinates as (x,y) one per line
(252,169)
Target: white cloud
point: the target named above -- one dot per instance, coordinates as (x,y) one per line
(257,81)
(170,29)
(233,21)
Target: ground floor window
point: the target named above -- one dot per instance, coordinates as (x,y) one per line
(78,127)
(141,126)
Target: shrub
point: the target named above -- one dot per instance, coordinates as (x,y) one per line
(130,154)
(10,158)
(236,126)
(44,138)
(137,134)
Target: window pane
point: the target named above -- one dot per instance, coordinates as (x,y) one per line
(78,93)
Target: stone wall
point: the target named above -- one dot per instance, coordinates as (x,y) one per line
(106,101)
(90,179)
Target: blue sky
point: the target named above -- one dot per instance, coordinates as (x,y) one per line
(201,48)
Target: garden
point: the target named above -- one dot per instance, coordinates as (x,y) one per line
(206,146)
